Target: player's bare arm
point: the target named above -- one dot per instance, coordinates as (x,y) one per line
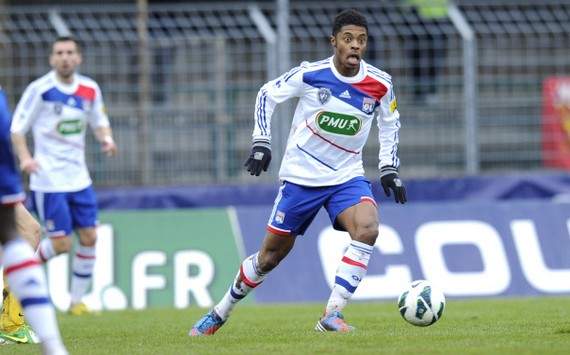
(27,162)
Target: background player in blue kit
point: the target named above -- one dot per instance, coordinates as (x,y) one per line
(58,107)
(23,270)
(339,97)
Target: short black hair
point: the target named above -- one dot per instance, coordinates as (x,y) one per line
(348,17)
(67,38)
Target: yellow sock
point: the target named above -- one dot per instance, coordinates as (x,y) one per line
(12,316)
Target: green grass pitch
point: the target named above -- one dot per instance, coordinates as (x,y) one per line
(505,326)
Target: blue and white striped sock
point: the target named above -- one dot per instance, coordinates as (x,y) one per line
(83,264)
(350,272)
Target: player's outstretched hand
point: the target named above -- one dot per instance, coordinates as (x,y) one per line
(259,159)
(391,181)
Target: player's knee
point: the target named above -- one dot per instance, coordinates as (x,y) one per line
(367,233)
(61,245)
(88,237)
(268,261)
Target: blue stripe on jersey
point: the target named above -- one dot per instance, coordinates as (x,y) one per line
(258,115)
(325,78)
(317,159)
(291,73)
(54,95)
(342,282)
(395,159)
(263,113)
(260,112)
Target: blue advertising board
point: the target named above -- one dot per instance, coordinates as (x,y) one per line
(469,249)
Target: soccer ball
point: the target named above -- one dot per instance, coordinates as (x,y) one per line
(421,304)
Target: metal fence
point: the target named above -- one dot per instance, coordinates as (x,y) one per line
(207,61)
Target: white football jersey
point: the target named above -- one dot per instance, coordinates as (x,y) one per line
(331,122)
(58,114)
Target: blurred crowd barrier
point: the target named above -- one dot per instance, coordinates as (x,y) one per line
(180,90)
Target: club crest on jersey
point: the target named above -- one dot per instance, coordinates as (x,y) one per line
(324,95)
(57,108)
(368,105)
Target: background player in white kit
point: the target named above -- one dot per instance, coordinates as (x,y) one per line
(57,107)
(338,99)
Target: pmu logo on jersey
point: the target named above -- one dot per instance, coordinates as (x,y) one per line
(324,95)
(69,127)
(338,123)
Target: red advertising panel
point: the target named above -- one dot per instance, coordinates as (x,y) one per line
(556,122)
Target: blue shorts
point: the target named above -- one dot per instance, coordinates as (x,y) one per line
(296,206)
(62,212)
(10,183)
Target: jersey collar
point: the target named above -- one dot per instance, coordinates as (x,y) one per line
(349,79)
(63,87)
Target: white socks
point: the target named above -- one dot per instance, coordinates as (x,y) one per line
(82,268)
(45,250)
(247,278)
(349,274)
(28,283)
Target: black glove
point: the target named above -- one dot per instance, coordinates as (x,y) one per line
(259,158)
(390,181)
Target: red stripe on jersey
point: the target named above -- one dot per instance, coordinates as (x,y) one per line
(85,92)
(371,87)
(352,262)
(24,264)
(328,141)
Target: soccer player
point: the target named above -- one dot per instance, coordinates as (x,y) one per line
(22,268)
(57,107)
(322,167)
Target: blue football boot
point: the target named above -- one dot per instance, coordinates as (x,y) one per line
(207,325)
(333,322)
